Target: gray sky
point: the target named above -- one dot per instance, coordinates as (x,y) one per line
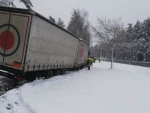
(129,10)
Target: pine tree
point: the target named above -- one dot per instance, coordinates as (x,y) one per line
(129,34)
(144,34)
(60,23)
(146,24)
(79,25)
(51,19)
(137,31)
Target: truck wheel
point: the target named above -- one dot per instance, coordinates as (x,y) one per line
(32,78)
(37,75)
(81,67)
(78,68)
(62,71)
(48,74)
(56,72)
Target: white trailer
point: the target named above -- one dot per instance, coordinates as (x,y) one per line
(32,46)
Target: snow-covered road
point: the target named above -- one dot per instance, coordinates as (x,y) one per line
(124,89)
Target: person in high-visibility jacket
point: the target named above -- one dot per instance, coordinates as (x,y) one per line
(89,61)
(99,59)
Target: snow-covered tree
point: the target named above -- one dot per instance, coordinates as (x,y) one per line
(129,35)
(146,24)
(27,3)
(95,50)
(137,31)
(142,38)
(7,3)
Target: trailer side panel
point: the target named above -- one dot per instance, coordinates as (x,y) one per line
(50,47)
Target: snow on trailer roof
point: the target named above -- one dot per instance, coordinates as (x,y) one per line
(32,12)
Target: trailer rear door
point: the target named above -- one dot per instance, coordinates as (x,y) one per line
(4,19)
(13,35)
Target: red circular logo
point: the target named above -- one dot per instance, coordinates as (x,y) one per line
(6,40)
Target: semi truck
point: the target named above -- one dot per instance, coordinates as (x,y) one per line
(32,46)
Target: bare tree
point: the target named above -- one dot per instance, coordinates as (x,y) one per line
(109,32)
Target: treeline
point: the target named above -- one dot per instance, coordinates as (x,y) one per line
(131,43)
(139,37)
(78,25)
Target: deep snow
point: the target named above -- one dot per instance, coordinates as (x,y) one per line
(124,89)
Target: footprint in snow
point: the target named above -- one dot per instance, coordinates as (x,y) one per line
(17,103)
(8,107)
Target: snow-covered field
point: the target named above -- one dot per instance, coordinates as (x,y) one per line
(124,89)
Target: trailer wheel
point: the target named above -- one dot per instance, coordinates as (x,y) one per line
(37,75)
(62,71)
(48,74)
(56,72)
(78,68)
(32,77)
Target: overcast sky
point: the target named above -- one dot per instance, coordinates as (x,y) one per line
(129,10)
